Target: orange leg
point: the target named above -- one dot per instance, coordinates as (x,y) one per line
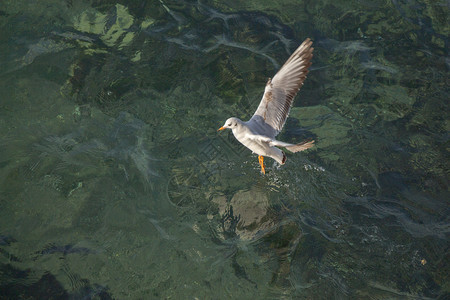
(261,163)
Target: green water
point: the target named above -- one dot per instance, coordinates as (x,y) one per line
(114,182)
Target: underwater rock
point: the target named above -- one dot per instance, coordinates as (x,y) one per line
(23,284)
(112,28)
(247,214)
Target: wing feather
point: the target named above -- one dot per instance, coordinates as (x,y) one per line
(280,91)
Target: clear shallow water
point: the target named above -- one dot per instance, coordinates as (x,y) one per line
(115,183)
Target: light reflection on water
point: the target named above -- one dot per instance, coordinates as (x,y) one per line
(115,183)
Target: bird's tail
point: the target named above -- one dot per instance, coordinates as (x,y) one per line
(300,147)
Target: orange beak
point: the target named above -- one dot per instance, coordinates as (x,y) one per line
(221,128)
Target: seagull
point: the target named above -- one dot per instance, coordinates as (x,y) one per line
(258,134)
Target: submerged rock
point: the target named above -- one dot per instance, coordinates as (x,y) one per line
(247,214)
(112,28)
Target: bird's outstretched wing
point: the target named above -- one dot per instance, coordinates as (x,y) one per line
(280,91)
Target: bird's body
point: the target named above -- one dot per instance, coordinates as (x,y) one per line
(258,143)
(258,134)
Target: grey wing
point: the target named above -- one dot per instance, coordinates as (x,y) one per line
(280,92)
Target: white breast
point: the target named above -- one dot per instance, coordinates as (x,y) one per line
(257,147)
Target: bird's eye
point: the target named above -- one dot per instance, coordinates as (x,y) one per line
(235,124)
(229,124)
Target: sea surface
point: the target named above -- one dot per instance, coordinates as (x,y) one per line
(115,184)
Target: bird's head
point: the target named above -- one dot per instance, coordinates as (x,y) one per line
(231,123)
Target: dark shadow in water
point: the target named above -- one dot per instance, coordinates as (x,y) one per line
(47,287)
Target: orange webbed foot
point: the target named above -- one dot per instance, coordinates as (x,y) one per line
(261,163)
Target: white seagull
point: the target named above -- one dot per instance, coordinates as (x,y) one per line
(258,134)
